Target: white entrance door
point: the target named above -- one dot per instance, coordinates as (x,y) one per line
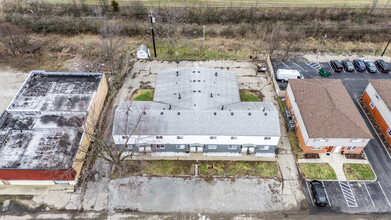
(337,149)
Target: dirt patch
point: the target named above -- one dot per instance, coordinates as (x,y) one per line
(355,156)
(311,156)
(239,168)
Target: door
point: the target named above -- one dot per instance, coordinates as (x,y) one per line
(330,149)
(337,149)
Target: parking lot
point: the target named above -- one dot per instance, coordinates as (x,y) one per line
(352,196)
(311,71)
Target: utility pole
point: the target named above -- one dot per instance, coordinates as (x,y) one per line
(153,32)
(321,45)
(384,51)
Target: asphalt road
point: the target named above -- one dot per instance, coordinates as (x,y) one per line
(352,197)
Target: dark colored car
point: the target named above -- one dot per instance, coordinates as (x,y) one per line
(348,65)
(319,193)
(383,66)
(370,66)
(359,65)
(336,65)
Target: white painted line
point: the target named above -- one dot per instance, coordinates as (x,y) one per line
(331,67)
(384,193)
(285,65)
(299,66)
(365,185)
(308,188)
(348,194)
(326,194)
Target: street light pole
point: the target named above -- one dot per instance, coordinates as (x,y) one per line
(384,51)
(153,32)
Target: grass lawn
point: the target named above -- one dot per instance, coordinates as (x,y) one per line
(318,171)
(358,172)
(143,95)
(247,96)
(156,167)
(239,168)
(296,149)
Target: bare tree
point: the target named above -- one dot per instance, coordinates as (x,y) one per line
(275,39)
(110,45)
(15,39)
(374,4)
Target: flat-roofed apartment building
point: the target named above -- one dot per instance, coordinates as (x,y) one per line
(43,137)
(326,119)
(197,110)
(377,97)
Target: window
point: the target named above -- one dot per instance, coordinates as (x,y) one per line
(377,96)
(389,132)
(357,140)
(352,148)
(158,146)
(321,139)
(180,146)
(212,146)
(129,146)
(232,147)
(159,137)
(316,148)
(264,147)
(123,137)
(179,137)
(213,137)
(234,138)
(372,105)
(267,138)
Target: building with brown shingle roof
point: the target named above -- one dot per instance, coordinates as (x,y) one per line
(326,118)
(377,97)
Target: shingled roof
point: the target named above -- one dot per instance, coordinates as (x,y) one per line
(383,88)
(327,109)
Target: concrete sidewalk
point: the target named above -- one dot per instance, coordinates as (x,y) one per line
(336,161)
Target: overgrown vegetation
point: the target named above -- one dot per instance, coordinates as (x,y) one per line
(248,96)
(239,168)
(358,172)
(143,95)
(275,29)
(294,141)
(318,171)
(156,167)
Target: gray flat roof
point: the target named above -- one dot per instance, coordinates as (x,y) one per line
(196,112)
(43,125)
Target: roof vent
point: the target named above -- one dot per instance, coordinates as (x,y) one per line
(199,72)
(169,107)
(211,95)
(215,73)
(265,113)
(193,71)
(199,80)
(232,113)
(144,112)
(194,91)
(179,113)
(222,107)
(194,80)
(177,74)
(161,113)
(179,97)
(215,113)
(263,109)
(199,90)
(249,113)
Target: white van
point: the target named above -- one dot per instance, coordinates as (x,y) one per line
(285,75)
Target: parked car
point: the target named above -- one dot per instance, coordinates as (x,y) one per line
(318,193)
(336,65)
(370,66)
(383,66)
(348,65)
(285,75)
(359,65)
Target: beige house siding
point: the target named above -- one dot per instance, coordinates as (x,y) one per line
(92,118)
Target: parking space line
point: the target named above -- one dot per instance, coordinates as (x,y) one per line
(285,65)
(326,194)
(384,193)
(348,194)
(299,66)
(365,185)
(330,67)
(309,192)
